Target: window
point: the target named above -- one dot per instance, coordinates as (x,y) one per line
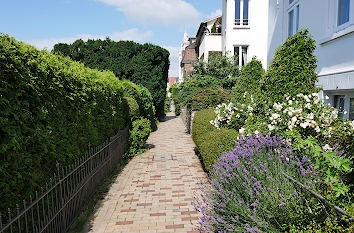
(245,12)
(339,104)
(238,12)
(294,18)
(241,53)
(291,23)
(343,12)
(241,12)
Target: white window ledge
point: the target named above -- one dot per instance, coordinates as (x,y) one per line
(336,35)
(242,27)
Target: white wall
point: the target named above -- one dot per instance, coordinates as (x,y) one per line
(255,36)
(202,47)
(210,43)
(319,17)
(335,47)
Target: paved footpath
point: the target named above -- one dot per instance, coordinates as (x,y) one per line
(154,191)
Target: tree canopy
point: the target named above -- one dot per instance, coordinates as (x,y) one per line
(143,64)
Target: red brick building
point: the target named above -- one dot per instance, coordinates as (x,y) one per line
(188,58)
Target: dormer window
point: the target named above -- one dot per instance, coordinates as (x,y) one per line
(241,12)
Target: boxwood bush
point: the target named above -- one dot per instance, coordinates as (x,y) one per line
(201,125)
(210,141)
(214,144)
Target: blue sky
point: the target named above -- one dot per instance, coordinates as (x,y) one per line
(43,23)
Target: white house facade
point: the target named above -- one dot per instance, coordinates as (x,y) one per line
(331,23)
(258,27)
(245,29)
(184,44)
(209,38)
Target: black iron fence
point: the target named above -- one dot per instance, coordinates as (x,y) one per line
(55,207)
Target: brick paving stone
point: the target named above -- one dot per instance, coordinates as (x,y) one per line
(154,195)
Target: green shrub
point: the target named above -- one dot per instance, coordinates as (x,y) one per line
(145,64)
(144,100)
(291,71)
(249,79)
(167,104)
(139,133)
(183,92)
(213,28)
(208,98)
(201,125)
(51,109)
(177,109)
(133,108)
(214,143)
(223,69)
(147,107)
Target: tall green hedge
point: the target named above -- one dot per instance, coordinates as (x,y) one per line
(248,81)
(292,69)
(145,64)
(51,109)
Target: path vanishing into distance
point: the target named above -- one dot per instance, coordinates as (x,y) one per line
(154,191)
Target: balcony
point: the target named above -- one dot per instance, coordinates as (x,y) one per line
(210,42)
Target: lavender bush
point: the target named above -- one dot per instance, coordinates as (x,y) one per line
(249,192)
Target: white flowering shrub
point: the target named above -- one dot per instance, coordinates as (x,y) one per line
(307,114)
(234,115)
(305,121)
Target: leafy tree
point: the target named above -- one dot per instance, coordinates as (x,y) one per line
(222,68)
(145,64)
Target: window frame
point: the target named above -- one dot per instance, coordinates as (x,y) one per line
(241,22)
(336,15)
(295,7)
(240,48)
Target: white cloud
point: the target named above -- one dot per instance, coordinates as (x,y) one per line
(174,62)
(214,14)
(131,34)
(166,12)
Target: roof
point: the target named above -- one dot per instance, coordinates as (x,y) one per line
(219,16)
(191,46)
(202,27)
(189,55)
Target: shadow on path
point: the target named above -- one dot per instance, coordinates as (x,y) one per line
(167,118)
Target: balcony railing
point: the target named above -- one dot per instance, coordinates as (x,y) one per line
(242,22)
(212,34)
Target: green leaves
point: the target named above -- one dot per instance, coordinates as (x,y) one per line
(330,165)
(146,64)
(291,71)
(51,109)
